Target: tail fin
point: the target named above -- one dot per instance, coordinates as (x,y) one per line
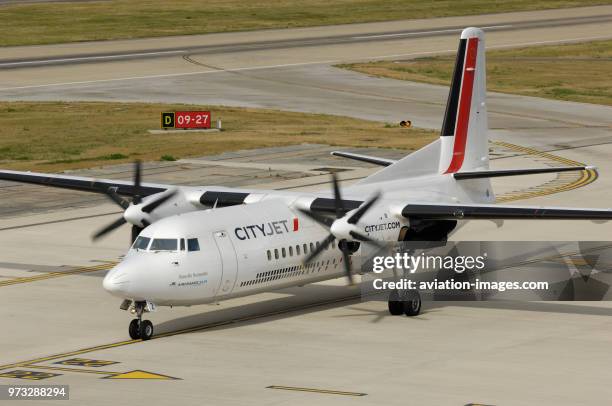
(464,138)
(463,142)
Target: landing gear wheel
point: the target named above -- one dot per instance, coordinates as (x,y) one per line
(134,329)
(412,305)
(146,330)
(396,307)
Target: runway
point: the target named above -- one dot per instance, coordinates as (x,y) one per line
(317,343)
(308,40)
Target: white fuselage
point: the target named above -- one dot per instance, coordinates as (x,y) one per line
(242,250)
(251,248)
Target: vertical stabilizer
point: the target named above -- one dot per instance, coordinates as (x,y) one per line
(464,139)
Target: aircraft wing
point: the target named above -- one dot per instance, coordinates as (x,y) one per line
(501,212)
(124,188)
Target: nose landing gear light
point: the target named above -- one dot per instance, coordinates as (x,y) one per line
(140,329)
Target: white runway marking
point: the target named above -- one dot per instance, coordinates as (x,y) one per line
(406,34)
(327,62)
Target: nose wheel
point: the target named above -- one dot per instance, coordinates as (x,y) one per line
(140,329)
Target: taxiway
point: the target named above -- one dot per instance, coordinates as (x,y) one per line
(318,343)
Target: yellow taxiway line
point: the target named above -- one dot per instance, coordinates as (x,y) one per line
(208,326)
(587,176)
(325,391)
(52,275)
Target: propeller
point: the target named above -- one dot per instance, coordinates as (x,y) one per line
(343,230)
(133,211)
(137,191)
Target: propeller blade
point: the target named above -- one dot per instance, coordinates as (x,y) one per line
(149,207)
(363,209)
(115,224)
(337,197)
(347,261)
(324,221)
(135,232)
(112,194)
(324,244)
(137,182)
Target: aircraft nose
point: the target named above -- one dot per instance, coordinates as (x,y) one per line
(115,282)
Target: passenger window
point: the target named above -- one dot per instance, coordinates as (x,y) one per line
(141,243)
(297,250)
(269,255)
(290,251)
(305,249)
(284,252)
(182,244)
(275,253)
(311,247)
(193,244)
(164,244)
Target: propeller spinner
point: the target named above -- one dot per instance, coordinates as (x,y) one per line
(135,212)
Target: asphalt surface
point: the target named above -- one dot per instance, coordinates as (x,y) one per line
(319,338)
(363,37)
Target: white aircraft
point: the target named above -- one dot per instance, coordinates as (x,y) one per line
(196,245)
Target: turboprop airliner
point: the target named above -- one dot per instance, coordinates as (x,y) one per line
(196,245)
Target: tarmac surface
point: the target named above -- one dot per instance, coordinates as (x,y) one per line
(319,343)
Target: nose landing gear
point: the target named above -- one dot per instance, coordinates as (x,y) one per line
(140,329)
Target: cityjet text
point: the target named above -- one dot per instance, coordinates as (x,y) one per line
(261,230)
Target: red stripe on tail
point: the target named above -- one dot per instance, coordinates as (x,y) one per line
(465,103)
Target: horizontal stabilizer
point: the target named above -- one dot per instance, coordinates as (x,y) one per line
(419,163)
(517,172)
(503,212)
(364,158)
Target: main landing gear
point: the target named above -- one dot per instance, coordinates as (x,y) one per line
(140,329)
(407,302)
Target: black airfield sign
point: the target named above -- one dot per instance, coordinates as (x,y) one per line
(167,120)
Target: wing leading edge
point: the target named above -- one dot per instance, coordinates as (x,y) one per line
(501,212)
(124,188)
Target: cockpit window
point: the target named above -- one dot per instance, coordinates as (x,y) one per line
(192,244)
(164,244)
(141,243)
